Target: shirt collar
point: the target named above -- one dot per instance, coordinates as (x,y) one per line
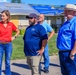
(43,22)
(71,20)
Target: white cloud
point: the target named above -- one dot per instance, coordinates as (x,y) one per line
(3,0)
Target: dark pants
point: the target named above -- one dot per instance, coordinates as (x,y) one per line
(68,66)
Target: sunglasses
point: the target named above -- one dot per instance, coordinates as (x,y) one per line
(30,17)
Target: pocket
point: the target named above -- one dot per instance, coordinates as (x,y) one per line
(36,60)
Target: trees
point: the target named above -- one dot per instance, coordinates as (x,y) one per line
(16,1)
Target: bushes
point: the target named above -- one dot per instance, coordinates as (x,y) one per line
(54,26)
(22,31)
(13,33)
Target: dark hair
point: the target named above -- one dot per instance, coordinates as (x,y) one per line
(7,13)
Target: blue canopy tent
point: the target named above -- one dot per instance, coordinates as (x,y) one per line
(47,10)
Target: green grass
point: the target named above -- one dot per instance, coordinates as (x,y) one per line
(52,45)
(18,47)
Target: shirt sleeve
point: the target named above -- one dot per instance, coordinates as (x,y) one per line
(14,27)
(75,30)
(49,28)
(24,37)
(43,33)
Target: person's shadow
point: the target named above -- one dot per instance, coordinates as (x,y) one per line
(56,65)
(21,65)
(27,67)
(18,65)
(13,73)
(51,64)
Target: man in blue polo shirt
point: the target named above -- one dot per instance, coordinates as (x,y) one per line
(35,39)
(49,30)
(66,42)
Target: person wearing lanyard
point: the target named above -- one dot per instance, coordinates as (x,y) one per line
(6,38)
(66,42)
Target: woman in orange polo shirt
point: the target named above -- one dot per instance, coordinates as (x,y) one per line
(6,38)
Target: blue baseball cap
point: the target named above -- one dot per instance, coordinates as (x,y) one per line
(32,15)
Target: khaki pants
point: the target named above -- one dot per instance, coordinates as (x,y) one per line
(34,64)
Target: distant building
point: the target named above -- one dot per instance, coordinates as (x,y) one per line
(53,14)
(18,13)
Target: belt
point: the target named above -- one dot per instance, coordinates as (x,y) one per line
(64,50)
(4,42)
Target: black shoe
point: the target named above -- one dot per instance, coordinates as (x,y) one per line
(46,71)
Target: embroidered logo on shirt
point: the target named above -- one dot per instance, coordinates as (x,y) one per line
(33,29)
(9,26)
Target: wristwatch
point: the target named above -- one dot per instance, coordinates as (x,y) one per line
(15,36)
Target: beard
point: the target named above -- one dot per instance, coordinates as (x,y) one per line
(32,23)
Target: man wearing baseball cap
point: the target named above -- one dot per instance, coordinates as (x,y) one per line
(35,39)
(66,42)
